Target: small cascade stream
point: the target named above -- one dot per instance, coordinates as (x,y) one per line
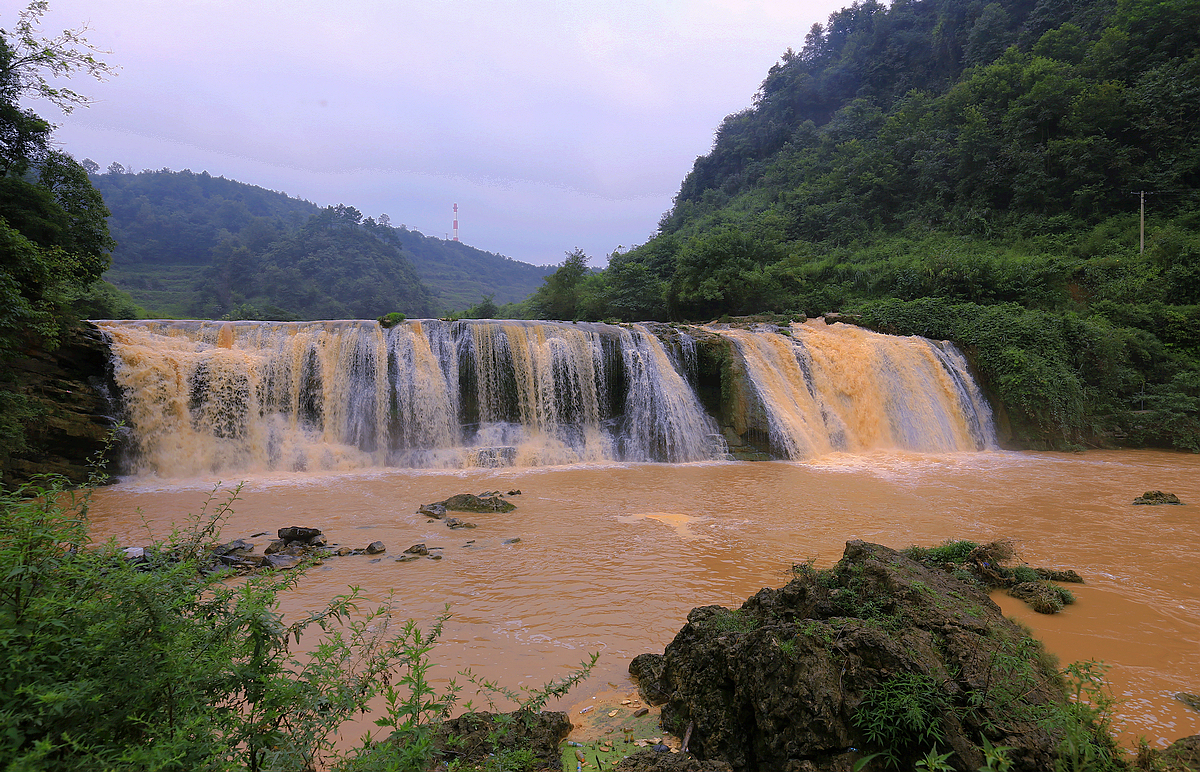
(209,397)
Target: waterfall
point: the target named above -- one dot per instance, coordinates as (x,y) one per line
(844,388)
(213,397)
(207,397)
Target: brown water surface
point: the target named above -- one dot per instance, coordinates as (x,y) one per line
(612,557)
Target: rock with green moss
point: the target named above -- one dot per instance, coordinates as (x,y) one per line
(387,321)
(1157,497)
(880,654)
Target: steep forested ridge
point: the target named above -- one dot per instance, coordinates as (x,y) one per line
(967,171)
(192,244)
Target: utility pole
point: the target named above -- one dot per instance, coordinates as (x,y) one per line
(1142,196)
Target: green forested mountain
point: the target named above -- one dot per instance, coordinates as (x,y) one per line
(965,171)
(192,244)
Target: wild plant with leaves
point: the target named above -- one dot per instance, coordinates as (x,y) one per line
(112,664)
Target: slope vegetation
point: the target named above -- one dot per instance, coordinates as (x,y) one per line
(971,172)
(194,245)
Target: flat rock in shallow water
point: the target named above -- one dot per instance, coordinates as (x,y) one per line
(484,502)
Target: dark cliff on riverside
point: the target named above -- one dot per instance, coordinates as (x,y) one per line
(69,391)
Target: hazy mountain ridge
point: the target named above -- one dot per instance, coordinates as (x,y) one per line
(193,245)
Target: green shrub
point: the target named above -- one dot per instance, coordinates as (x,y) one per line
(388,321)
(115,664)
(902,717)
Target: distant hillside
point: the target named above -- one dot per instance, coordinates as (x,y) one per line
(459,275)
(193,245)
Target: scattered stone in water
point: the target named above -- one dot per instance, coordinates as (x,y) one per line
(417,549)
(517,492)
(435,511)
(512,541)
(237,545)
(277,545)
(1157,497)
(1191,700)
(260,533)
(376,547)
(454,522)
(281,562)
(297,533)
(344,551)
(435,557)
(376,560)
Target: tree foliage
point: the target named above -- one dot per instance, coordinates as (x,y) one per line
(559,297)
(54,240)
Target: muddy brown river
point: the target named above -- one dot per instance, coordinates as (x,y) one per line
(612,556)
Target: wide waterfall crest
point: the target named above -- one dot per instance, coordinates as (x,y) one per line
(203,397)
(256,396)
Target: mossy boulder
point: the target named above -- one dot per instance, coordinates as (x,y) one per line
(878,654)
(1157,497)
(493,501)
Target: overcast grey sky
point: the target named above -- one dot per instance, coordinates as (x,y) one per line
(551,124)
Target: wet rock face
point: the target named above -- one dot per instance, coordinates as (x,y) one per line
(879,653)
(69,385)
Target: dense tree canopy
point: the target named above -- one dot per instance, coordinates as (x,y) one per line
(334,267)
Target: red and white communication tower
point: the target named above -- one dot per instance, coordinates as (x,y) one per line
(456,222)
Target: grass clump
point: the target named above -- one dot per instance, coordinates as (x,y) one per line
(731,621)
(947,552)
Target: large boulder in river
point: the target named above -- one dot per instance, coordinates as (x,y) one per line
(878,654)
